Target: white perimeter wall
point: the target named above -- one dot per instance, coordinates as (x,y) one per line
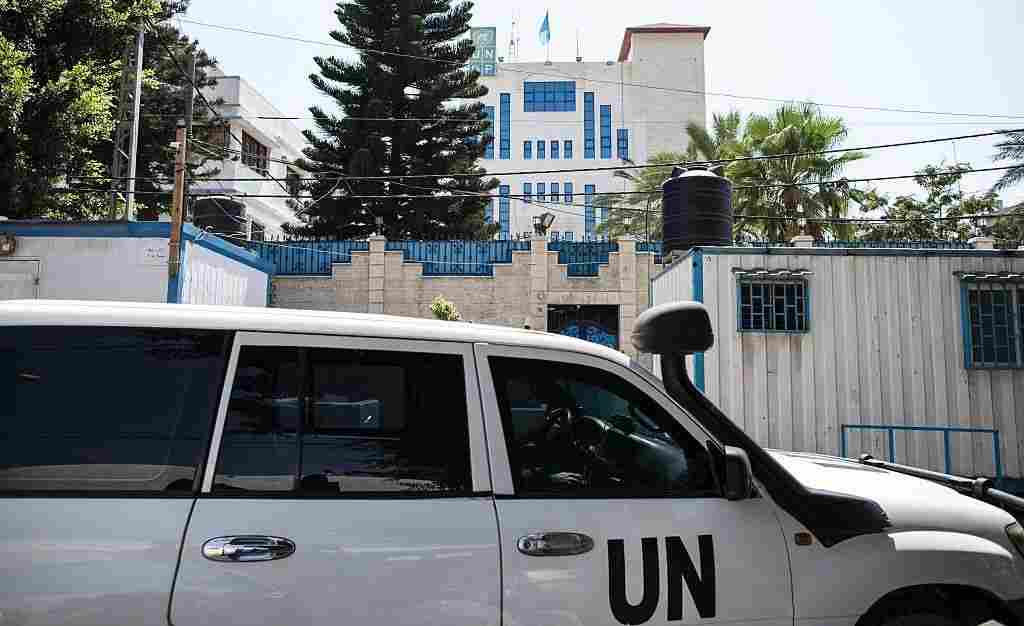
(211,278)
(86,268)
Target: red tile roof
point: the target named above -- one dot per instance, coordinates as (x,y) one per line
(660,27)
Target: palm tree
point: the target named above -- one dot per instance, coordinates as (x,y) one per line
(1012,148)
(722,142)
(791,187)
(638,214)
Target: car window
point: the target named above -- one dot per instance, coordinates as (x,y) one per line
(577,430)
(102,409)
(335,422)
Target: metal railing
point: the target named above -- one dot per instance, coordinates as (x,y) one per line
(458,258)
(584,258)
(306,257)
(922,244)
(945,430)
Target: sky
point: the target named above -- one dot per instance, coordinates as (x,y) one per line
(935,55)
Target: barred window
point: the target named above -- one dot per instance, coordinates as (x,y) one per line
(993,314)
(773,306)
(255,154)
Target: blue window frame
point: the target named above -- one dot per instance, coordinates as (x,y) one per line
(556,196)
(489,135)
(567,235)
(527,192)
(554,149)
(554,235)
(542,149)
(588,212)
(992,316)
(567,190)
(542,190)
(606,131)
(489,211)
(773,306)
(588,126)
(567,149)
(622,143)
(505,140)
(528,149)
(503,206)
(550,96)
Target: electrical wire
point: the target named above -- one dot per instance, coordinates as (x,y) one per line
(506,67)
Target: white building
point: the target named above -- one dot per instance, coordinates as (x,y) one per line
(263,140)
(556,116)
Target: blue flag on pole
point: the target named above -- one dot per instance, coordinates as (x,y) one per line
(545,30)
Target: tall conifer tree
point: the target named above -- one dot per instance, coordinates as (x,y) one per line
(407,106)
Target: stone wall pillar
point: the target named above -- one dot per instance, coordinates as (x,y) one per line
(537,317)
(627,292)
(376,277)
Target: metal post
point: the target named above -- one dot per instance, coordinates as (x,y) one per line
(173,256)
(995,445)
(189,104)
(842,441)
(129,212)
(945,447)
(892,445)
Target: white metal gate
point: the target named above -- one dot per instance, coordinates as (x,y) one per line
(19,279)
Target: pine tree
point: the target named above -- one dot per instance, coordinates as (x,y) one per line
(410,70)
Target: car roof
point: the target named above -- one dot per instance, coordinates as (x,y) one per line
(258,319)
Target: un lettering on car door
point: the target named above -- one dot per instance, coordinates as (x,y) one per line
(586,448)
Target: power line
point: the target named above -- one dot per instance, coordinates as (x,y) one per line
(766,157)
(699,92)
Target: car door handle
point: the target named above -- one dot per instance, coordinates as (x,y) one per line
(242,548)
(555,544)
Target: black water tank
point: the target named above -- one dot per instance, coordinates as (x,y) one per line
(696,211)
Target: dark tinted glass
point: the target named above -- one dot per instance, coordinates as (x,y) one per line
(334,422)
(577,430)
(100,409)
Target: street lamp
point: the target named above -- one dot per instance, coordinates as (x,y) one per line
(543,222)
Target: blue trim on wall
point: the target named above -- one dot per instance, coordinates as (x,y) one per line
(225,249)
(965,325)
(698,296)
(86,229)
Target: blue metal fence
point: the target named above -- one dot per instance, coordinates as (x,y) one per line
(651,246)
(306,257)
(458,258)
(945,430)
(895,243)
(584,258)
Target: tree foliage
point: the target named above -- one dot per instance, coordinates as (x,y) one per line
(60,65)
(639,215)
(1011,149)
(445,310)
(928,218)
(419,79)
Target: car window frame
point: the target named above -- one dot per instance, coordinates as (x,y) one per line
(480,475)
(501,467)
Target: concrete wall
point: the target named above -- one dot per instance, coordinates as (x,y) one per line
(211,278)
(885,346)
(519,293)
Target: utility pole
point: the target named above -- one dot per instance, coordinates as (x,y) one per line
(126,136)
(177,200)
(189,104)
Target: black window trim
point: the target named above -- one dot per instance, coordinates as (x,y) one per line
(480,473)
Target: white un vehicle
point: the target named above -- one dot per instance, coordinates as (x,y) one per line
(169,464)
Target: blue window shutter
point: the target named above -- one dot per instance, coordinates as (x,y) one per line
(555,195)
(567,149)
(588,126)
(489,135)
(527,192)
(489,212)
(503,211)
(606,131)
(505,140)
(554,149)
(623,143)
(528,149)
(588,211)
(541,191)
(541,146)
(567,188)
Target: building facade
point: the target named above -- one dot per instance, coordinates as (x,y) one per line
(586,115)
(260,143)
(814,342)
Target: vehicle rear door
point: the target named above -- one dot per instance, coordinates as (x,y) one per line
(103,435)
(608,506)
(348,483)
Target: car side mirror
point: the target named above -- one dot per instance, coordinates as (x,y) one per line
(738,483)
(674,328)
